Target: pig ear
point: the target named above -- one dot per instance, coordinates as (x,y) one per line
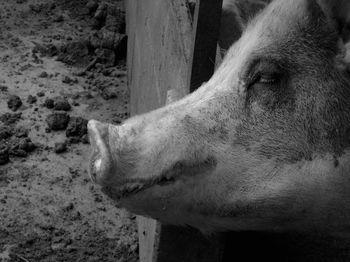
(231,25)
(338,11)
(234,17)
(100,163)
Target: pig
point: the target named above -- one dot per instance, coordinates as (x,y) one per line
(262,146)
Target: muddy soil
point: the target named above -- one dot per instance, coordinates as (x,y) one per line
(49,65)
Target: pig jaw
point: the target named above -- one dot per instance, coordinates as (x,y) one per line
(304,197)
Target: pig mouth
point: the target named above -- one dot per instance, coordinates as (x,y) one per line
(179,171)
(132,188)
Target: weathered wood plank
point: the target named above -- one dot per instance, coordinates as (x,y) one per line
(206,28)
(160,34)
(148,230)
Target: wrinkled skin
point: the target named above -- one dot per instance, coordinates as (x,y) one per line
(264,145)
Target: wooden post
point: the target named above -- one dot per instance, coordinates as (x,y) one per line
(206,28)
(163,54)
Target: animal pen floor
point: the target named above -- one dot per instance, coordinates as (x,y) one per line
(49,209)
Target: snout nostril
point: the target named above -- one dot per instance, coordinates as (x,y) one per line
(97,164)
(95,167)
(91,138)
(100,158)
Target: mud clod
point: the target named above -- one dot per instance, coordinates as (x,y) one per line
(26,144)
(14,143)
(10,118)
(69,81)
(49,103)
(74,53)
(5,132)
(18,152)
(61,103)
(47,50)
(21,132)
(3,88)
(31,99)
(43,74)
(40,94)
(4,154)
(14,102)
(60,147)
(77,126)
(57,121)
(109,92)
(73,140)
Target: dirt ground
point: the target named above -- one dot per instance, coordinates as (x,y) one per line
(49,208)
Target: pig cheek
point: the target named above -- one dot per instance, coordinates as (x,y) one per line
(150,202)
(161,200)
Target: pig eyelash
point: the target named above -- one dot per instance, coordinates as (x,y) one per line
(272,79)
(264,79)
(257,75)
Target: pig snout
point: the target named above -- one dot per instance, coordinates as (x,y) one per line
(153,149)
(100,164)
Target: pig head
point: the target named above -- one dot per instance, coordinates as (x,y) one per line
(263,145)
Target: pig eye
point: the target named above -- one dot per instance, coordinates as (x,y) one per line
(264,72)
(270,80)
(267,78)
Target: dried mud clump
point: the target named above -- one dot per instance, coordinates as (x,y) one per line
(77,127)
(14,143)
(109,92)
(26,144)
(57,121)
(4,153)
(74,53)
(61,103)
(3,88)
(108,32)
(20,147)
(45,50)
(9,118)
(5,132)
(40,94)
(60,147)
(49,103)
(14,102)
(31,99)
(43,75)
